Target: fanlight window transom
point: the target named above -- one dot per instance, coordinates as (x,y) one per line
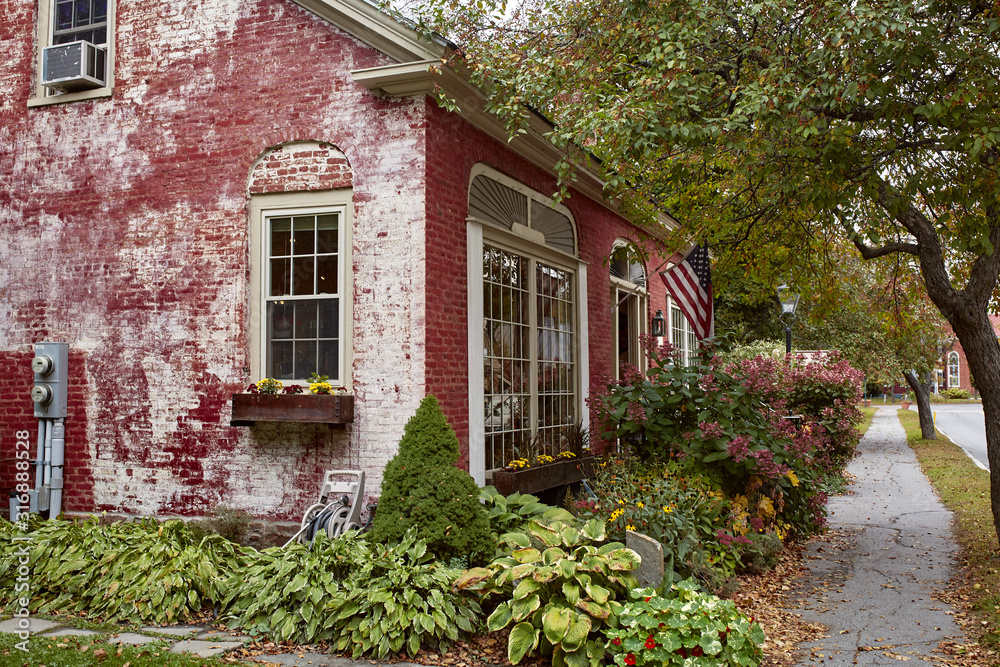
(502,205)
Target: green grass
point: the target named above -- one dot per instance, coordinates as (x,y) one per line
(964,488)
(86,651)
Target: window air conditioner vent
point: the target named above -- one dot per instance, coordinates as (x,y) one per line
(74,66)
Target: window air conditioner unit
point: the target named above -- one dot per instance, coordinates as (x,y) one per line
(74,66)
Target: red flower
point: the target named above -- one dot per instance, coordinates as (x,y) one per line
(663,625)
(650,643)
(617,641)
(697,652)
(648,599)
(630,659)
(682,652)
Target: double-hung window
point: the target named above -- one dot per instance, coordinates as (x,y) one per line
(682,335)
(301,279)
(75,50)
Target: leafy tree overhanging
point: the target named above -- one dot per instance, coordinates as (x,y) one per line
(788,124)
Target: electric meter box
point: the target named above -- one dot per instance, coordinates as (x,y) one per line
(50,390)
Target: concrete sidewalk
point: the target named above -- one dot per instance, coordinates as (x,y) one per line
(890,547)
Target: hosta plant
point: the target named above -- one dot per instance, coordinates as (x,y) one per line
(283,593)
(399,597)
(511,513)
(559,590)
(684,628)
(138,572)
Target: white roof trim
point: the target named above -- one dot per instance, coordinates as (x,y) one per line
(375,28)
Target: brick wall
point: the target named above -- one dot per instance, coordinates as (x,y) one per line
(123,230)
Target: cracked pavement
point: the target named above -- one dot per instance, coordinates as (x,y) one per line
(871,579)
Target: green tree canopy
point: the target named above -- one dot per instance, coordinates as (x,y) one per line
(791,126)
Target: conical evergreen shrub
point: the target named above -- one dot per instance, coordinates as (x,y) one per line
(422,487)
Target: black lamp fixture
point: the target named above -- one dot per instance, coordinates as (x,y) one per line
(659,328)
(789,301)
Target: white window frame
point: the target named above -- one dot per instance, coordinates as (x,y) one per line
(954,380)
(638,305)
(677,321)
(42,96)
(266,206)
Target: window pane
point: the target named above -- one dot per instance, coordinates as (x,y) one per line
(64,15)
(326,233)
(329,359)
(304,241)
(329,318)
(303,276)
(305,358)
(326,274)
(305,319)
(281,237)
(100,10)
(99,36)
(281,366)
(279,319)
(82,13)
(281,277)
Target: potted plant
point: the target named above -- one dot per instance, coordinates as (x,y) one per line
(270,401)
(543,472)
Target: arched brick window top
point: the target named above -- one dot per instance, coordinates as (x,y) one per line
(300,167)
(501,201)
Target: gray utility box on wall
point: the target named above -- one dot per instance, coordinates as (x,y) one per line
(50,391)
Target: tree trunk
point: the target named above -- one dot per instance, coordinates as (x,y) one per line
(922,391)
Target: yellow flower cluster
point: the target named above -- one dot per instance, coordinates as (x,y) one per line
(543,459)
(519,464)
(320,388)
(617,513)
(567,455)
(667,509)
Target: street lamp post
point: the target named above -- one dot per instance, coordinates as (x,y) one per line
(789,301)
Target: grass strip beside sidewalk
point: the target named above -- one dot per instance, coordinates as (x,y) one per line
(964,488)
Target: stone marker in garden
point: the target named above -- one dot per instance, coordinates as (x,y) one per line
(650,571)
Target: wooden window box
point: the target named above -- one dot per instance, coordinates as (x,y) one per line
(248,409)
(549,476)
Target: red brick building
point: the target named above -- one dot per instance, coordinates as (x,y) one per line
(224,191)
(952,369)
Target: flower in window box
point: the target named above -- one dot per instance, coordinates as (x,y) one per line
(266,386)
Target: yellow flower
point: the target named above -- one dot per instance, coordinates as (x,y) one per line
(667,509)
(630,527)
(621,502)
(639,505)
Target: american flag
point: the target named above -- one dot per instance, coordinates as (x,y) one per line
(690,284)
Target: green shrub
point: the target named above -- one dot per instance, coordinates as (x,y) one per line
(558,589)
(422,488)
(956,393)
(137,572)
(684,628)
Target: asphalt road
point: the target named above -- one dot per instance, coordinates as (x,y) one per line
(965,425)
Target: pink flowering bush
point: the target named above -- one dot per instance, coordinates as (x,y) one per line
(729,423)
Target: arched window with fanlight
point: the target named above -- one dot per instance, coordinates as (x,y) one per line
(630,301)
(954,376)
(525,282)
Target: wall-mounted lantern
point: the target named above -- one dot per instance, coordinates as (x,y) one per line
(659,328)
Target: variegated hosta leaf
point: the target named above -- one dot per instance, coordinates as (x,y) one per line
(529,555)
(522,639)
(555,622)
